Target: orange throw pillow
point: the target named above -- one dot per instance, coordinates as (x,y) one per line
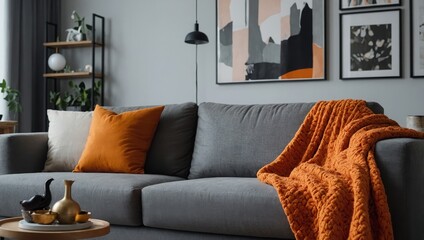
(119,143)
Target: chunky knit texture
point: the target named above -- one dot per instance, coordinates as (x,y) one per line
(327,179)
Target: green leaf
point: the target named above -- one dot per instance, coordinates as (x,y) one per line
(3,86)
(71,84)
(67,99)
(81,86)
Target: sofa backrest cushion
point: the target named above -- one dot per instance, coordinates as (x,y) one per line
(237,140)
(171,149)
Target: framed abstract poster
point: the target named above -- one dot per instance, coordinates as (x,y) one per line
(370,44)
(417,38)
(270,40)
(355,4)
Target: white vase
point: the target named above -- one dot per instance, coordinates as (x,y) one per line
(78,37)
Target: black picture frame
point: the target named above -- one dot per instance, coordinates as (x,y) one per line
(371,44)
(417,38)
(222,72)
(344,5)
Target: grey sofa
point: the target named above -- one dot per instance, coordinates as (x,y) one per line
(200,180)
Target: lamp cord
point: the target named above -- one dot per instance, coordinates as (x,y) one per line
(197,82)
(196,77)
(196,10)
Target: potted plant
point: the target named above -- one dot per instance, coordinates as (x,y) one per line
(81,27)
(78,97)
(12,98)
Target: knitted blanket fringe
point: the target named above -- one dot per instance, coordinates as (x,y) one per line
(327,179)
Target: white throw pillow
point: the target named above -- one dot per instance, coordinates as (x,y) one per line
(68,133)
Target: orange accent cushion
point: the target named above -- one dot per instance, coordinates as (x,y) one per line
(119,143)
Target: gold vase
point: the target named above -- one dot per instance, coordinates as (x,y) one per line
(67,208)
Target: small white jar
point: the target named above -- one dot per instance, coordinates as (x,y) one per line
(415,122)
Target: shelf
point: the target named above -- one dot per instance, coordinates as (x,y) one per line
(71,44)
(71,75)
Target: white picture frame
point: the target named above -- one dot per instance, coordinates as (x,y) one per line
(417,38)
(370,44)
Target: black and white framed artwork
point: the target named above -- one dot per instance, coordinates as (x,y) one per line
(370,44)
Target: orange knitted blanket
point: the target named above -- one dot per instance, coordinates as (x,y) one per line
(327,179)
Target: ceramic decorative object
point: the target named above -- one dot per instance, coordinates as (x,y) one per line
(56,62)
(88,68)
(53,227)
(75,35)
(26,215)
(39,202)
(415,122)
(43,216)
(83,217)
(66,208)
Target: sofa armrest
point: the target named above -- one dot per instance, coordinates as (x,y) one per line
(22,152)
(401,164)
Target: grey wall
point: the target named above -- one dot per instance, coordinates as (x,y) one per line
(147,61)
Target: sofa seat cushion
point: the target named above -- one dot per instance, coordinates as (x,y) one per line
(112,197)
(235,206)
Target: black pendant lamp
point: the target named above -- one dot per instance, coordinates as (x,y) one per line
(196,37)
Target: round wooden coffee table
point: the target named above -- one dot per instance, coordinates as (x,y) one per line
(9,229)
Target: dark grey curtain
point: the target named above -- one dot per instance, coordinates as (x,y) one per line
(26,60)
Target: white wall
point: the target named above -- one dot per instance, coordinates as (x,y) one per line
(147,61)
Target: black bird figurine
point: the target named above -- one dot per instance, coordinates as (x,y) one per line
(39,202)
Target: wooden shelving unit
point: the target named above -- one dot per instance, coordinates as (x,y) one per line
(97,59)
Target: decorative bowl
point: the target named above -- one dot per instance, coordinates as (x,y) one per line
(82,217)
(43,216)
(27,216)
